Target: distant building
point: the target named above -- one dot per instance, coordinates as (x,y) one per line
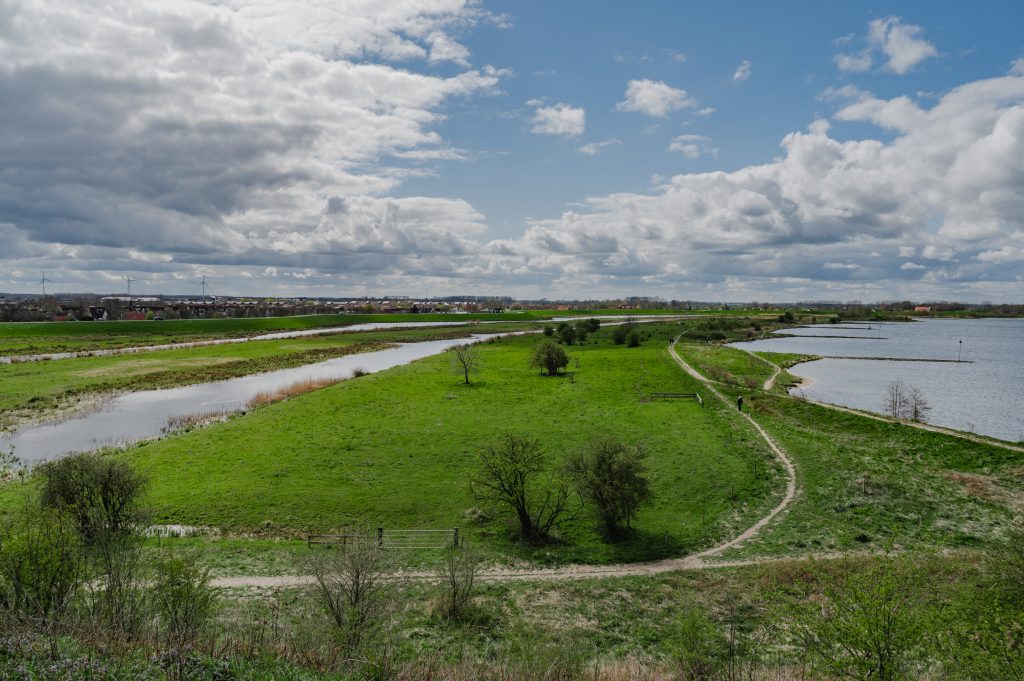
(923,308)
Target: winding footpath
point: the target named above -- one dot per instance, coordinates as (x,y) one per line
(694,561)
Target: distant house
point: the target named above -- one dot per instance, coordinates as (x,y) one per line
(922,308)
(134,316)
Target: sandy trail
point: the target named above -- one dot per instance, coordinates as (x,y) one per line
(694,561)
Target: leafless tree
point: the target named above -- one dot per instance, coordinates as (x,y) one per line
(458,577)
(917,405)
(507,475)
(466,359)
(895,402)
(352,583)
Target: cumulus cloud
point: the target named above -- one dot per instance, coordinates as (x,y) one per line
(742,71)
(654,98)
(692,146)
(224,132)
(559,119)
(900,45)
(831,214)
(595,148)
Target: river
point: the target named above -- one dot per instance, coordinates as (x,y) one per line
(140,415)
(981,394)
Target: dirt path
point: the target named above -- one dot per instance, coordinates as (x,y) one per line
(694,561)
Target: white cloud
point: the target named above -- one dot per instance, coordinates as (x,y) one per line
(946,179)
(595,148)
(706,111)
(857,62)
(692,146)
(678,57)
(742,71)
(1017,68)
(841,266)
(654,98)
(901,45)
(208,135)
(559,119)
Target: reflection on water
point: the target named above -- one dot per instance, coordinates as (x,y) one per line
(140,415)
(983,396)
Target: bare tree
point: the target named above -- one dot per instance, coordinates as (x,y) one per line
(917,405)
(466,359)
(507,475)
(458,577)
(354,590)
(895,402)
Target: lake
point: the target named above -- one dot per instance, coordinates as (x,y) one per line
(982,394)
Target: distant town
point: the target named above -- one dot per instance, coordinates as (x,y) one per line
(98,307)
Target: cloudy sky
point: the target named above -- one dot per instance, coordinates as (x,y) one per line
(717,151)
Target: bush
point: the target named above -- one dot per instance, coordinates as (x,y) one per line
(182,597)
(567,333)
(353,589)
(612,478)
(549,356)
(41,566)
(633,340)
(619,334)
(458,578)
(549,330)
(103,495)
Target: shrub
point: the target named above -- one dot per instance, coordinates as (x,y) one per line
(353,589)
(612,478)
(182,597)
(103,495)
(619,334)
(633,340)
(567,333)
(41,566)
(549,356)
(458,578)
(549,330)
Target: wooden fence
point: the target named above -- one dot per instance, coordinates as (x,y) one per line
(678,396)
(392,539)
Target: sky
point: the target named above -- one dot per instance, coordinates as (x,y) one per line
(574,149)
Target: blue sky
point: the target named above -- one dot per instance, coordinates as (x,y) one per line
(718,151)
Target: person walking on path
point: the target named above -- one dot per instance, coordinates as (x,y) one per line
(739,402)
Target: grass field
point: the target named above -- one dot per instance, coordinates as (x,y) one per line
(397,449)
(866,483)
(44,337)
(32,389)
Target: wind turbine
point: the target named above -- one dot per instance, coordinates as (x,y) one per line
(43,280)
(129,280)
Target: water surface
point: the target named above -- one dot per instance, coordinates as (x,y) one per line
(983,394)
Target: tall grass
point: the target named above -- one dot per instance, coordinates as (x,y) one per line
(298,388)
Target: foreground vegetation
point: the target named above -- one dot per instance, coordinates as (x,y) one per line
(931,586)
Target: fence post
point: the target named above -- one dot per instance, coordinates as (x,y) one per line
(380,537)
(455,538)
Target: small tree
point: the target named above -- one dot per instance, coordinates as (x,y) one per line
(917,405)
(182,597)
(567,333)
(507,475)
(549,356)
(458,578)
(612,478)
(593,324)
(102,494)
(466,359)
(582,330)
(895,402)
(633,340)
(549,330)
(352,586)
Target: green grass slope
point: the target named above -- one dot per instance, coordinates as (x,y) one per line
(398,448)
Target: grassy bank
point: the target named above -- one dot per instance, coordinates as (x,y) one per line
(44,337)
(398,448)
(867,483)
(32,389)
